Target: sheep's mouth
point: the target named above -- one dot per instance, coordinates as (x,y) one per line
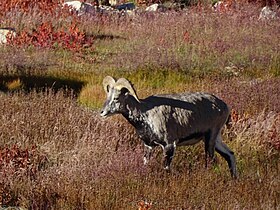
(105,114)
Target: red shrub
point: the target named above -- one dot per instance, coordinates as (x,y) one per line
(46,6)
(15,160)
(55,29)
(46,36)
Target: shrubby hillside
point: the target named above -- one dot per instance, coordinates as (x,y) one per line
(56,152)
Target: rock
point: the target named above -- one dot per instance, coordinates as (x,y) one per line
(6,33)
(86,8)
(155,8)
(74,5)
(113,2)
(125,6)
(102,9)
(267,13)
(79,7)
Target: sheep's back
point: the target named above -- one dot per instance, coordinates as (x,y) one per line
(179,115)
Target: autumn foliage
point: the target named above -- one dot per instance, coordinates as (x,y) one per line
(14,160)
(46,36)
(46,6)
(18,162)
(49,33)
(57,153)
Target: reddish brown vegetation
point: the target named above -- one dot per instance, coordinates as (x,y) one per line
(16,160)
(46,36)
(142,205)
(81,161)
(88,157)
(18,163)
(44,6)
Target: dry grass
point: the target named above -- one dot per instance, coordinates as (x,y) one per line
(57,154)
(92,163)
(193,42)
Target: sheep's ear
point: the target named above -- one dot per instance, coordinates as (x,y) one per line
(124,91)
(123,83)
(108,83)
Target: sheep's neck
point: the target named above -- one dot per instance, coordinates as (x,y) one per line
(133,115)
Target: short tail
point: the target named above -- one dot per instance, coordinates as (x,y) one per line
(229,122)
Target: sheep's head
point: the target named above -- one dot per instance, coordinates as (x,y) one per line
(117,95)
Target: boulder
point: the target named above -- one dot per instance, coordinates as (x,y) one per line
(125,6)
(102,9)
(113,2)
(267,13)
(6,33)
(155,8)
(79,7)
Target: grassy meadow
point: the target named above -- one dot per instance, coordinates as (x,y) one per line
(56,152)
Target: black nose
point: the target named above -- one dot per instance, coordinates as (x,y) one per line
(102,113)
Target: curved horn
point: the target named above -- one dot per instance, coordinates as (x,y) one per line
(124,83)
(108,81)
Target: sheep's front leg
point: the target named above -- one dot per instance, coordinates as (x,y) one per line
(168,151)
(147,153)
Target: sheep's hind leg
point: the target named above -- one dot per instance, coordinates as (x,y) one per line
(227,154)
(210,138)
